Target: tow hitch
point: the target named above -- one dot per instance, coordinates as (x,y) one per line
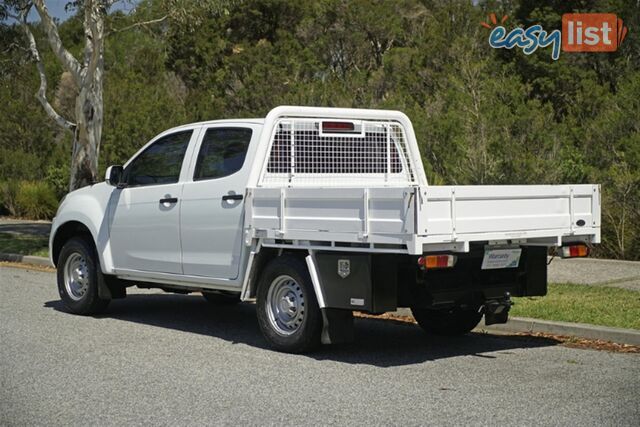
(497,310)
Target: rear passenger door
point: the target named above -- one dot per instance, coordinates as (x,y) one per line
(212,209)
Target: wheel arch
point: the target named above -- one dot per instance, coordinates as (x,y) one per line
(261,260)
(65,232)
(85,211)
(108,286)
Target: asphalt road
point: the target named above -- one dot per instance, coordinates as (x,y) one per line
(160,359)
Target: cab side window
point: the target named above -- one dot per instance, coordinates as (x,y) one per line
(222,152)
(160,163)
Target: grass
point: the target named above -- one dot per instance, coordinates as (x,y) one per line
(24,244)
(596,305)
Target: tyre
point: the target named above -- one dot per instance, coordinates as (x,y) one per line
(287,308)
(451,322)
(79,276)
(221,297)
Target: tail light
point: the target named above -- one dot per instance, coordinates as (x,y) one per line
(338,127)
(436,261)
(574,251)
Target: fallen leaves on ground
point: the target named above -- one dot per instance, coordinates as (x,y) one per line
(567,341)
(24,266)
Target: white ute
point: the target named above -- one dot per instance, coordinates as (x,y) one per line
(314,213)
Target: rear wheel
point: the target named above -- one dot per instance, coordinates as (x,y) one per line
(451,322)
(78,277)
(288,312)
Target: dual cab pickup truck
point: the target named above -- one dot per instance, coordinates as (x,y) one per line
(314,213)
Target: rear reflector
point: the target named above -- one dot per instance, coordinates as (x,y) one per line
(574,251)
(338,127)
(437,261)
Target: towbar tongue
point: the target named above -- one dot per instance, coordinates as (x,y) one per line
(497,310)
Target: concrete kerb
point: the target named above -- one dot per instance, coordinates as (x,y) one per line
(578,330)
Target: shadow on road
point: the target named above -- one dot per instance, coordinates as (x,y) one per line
(378,342)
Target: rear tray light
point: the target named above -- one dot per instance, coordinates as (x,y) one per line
(429,262)
(574,251)
(338,127)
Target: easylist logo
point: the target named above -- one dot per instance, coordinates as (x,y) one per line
(581,32)
(592,32)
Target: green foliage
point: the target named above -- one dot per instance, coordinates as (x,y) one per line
(8,194)
(482,116)
(36,199)
(18,164)
(57,176)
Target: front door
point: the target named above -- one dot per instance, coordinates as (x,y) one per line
(212,209)
(145,215)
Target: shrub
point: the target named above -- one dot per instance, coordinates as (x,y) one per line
(8,193)
(58,177)
(18,164)
(36,200)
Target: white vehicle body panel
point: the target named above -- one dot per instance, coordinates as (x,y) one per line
(466,213)
(380,215)
(445,218)
(144,233)
(87,206)
(211,228)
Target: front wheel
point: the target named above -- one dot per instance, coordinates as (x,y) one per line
(287,308)
(78,277)
(451,322)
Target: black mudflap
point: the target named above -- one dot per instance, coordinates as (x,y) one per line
(337,326)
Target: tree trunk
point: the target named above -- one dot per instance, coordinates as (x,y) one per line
(86,137)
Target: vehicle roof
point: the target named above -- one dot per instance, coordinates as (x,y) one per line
(255,121)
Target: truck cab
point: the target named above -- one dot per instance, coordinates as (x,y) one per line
(313,213)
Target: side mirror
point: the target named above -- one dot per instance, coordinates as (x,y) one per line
(113,176)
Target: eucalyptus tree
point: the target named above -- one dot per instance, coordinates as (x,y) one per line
(86,71)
